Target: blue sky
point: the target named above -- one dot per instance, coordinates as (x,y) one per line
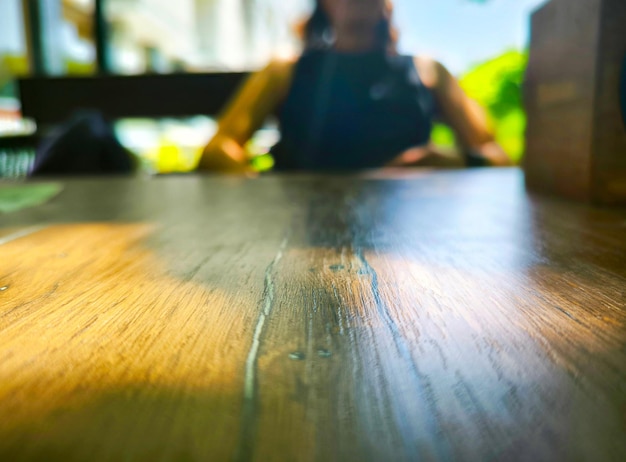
(460,33)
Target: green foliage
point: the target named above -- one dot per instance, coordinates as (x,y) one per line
(496,85)
(441,135)
(11,66)
(8,89)
(262,163)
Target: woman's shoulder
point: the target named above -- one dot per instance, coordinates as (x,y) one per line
(280,68)
(431,71)
(276,75)
(282,64)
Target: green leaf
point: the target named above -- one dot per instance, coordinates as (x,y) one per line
(14,198)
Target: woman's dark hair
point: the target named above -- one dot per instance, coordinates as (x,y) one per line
(318,31)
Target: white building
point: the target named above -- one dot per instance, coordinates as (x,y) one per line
(193,34)
(235,34)
(206,34)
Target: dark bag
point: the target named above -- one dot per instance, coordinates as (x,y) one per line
(84,145)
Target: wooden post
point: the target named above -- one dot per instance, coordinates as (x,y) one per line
(623,95)
(32,31)
(101,38)
(43,21)
(576,138)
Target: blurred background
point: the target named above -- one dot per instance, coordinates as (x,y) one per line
(483,42)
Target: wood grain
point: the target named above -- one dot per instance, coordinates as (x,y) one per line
(421,316)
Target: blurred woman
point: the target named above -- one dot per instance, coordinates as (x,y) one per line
(350,101)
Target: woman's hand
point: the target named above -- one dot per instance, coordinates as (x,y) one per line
(493,155)
(428,156)
(225,155)
(489,154)
(243,115)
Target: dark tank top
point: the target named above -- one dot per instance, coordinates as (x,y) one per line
(352,111)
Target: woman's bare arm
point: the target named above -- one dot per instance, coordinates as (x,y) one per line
(246,112)
(463,114)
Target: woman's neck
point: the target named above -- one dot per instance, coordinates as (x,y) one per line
(350,42)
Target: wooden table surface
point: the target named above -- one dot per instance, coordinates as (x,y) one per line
(382,317)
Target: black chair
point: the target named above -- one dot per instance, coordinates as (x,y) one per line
(53,100)
(76,113)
